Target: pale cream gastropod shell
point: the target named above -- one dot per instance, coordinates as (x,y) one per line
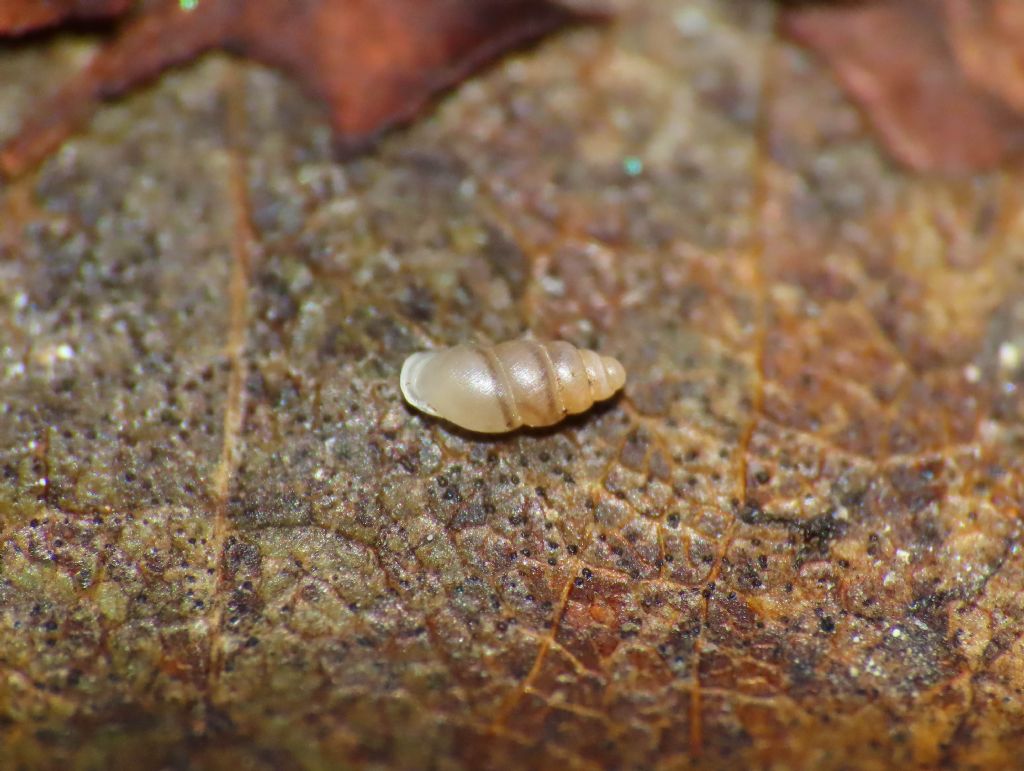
(492,389)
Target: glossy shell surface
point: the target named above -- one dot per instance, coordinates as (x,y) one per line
(493,389)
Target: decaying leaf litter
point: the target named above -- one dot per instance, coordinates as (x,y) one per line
(373,64)
(941,82)
(225,539)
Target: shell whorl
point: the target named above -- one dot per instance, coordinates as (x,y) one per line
(498,388)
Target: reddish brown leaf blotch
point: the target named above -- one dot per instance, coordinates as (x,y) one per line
(940,82)
(374,63)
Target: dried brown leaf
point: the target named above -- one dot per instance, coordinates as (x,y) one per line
(794,542)
(373,64)
(18,17)
(940,80)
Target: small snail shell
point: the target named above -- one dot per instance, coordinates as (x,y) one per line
(499,388)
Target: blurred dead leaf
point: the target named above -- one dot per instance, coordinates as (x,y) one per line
(942,81)
(373,63)
(20,16)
